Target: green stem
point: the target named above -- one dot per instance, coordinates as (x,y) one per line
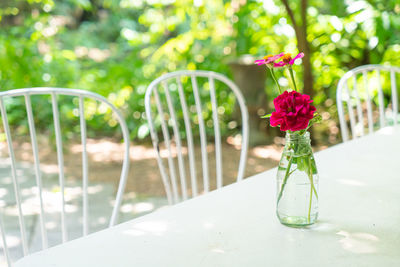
(310,176)
(292,77)
(292,171)
(276,81)
(312,188)
(287,174)
(309,208)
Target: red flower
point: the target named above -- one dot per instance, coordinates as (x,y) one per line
(293,111)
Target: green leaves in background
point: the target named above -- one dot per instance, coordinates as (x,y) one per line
(116,48)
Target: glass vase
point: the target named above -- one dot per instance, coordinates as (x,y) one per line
(297,182)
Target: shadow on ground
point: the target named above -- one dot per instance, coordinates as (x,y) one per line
(143,194)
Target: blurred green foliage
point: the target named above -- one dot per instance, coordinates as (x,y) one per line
(116,48)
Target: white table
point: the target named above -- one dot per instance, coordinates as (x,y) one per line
(359,222)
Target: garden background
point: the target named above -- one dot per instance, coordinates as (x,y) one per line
(116,48)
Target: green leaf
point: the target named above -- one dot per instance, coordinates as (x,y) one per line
(266,116)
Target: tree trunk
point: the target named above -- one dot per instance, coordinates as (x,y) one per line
(308,79)
(302,43)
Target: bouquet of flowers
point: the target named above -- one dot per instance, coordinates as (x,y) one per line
(297,176)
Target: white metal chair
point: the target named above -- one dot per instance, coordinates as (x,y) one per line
(173,83)
(363,91)
(54,92)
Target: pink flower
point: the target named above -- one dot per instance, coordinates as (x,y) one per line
(268,59)
(287,59)
(293,111)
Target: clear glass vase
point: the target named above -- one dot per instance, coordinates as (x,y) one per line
(297,181)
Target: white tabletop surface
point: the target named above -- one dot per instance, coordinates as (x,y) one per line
(359,222)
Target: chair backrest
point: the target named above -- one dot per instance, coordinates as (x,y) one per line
(173,84)
(81,95)
(369,93)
